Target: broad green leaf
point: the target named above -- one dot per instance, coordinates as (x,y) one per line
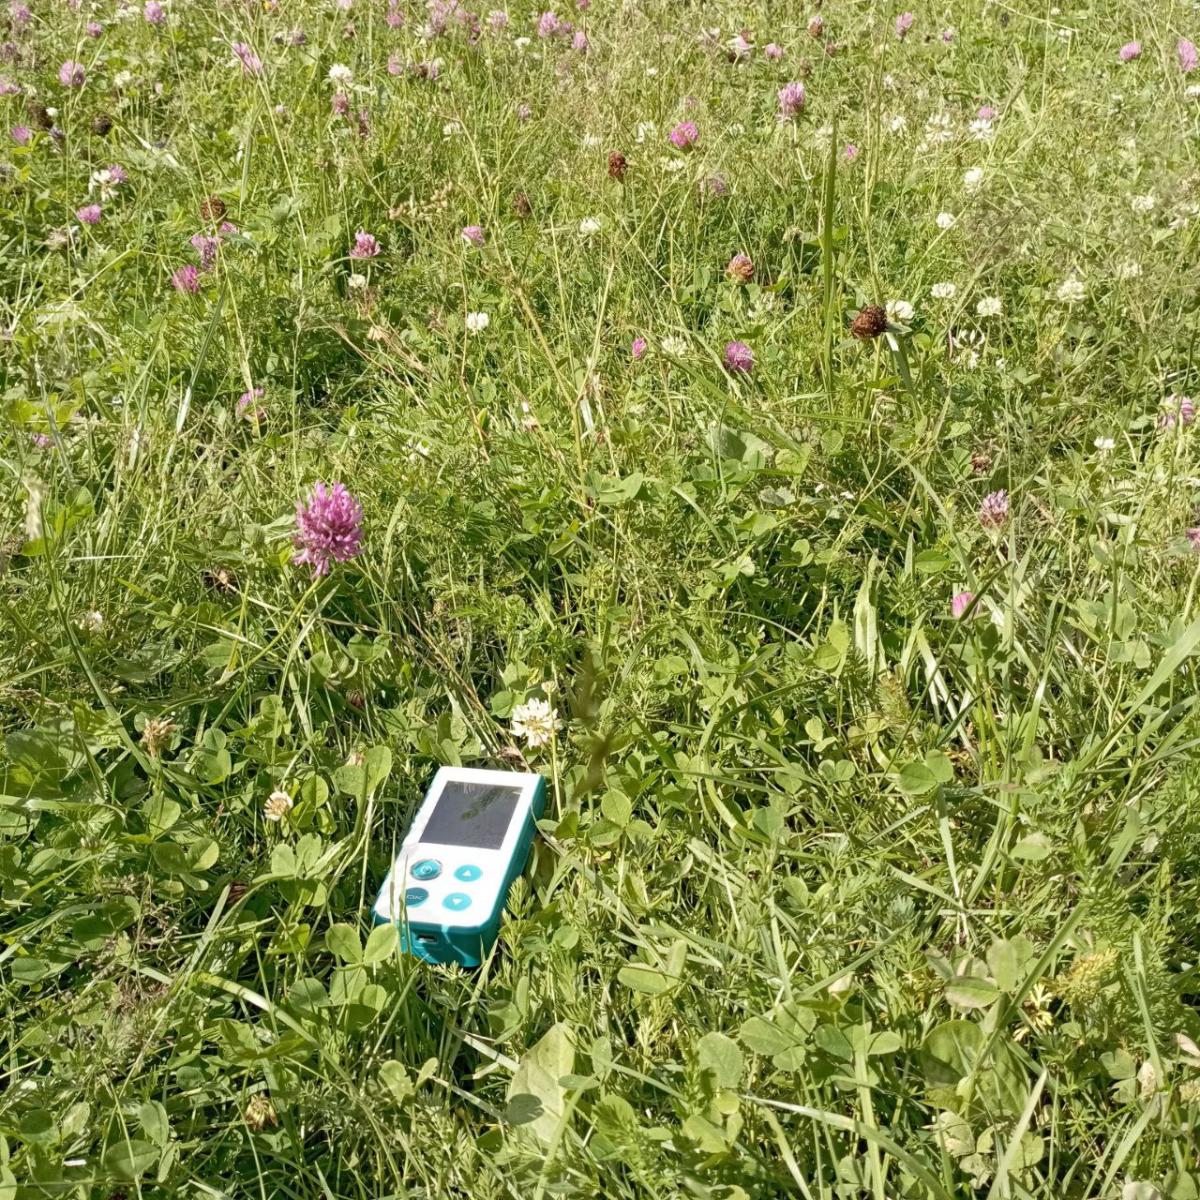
(720,1055)
(343,941)
(381,944)
(968,991)
(536,1097)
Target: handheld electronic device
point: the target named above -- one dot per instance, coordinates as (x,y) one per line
(467,843)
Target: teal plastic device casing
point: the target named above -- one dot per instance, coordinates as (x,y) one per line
(470,945)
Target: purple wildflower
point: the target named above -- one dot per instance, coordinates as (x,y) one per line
(851,152)
(524,112)
(986,113)
(245,402)
(993,512)
(684,135)
(1130,51)
(579,41)
(251,63)
(186,279)
(473,235)
(154,12)
(21,134)
(365,245)
(395,65)
(715,185)
(548,25)
(1193,537)
(394,18)
(1188,56)
(340,104)
(638,348)
(89,214)
(904,22)
(8,88)
(960,603)
(20,14)
(497,20)
(93,29)
(1177,410)
(773,51)
(43,441)
(328,528)
(738,357)
(117,174)
(791,101)
(206,246)
(71,74)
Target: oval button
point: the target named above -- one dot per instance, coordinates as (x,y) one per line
(415,896)
(426,869)
(456,901)
(468,873)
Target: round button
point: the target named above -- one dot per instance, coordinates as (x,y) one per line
(457,901)
(426,869)
(468,873)
(415,896)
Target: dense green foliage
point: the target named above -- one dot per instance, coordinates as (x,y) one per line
(840,893)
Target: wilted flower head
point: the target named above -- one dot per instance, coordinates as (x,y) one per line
(870,322)
(684,135)
(328,528)
(157,734)
(71,74)
(791,101)
(740,268)
(186,279)
(960,603)
(993,512)
(618,165)
(251,63)
(1130,51)
(739,358)
(89,214)
(260,1113)
(1188,57)
(472,235)
(904,22)
(715,185)
(365,245)
(535,721)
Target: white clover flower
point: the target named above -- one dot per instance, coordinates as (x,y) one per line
(645,129)
(451,129)
(341,76)
(589,226)
(90,622)
(521,43)
(1143,204)
(671,164)
(989,306)
(1104,444)
(1129,270)
(945,220)
(122,79)
(1192,91)
(277,806)
(356,282)
(943,291)
(591,140)
(1070,291)
(981,129)
(939,129)
(675,346)
(898,124)
(535,721)
(900,311)
(477,322)
(972,178)
(651,72)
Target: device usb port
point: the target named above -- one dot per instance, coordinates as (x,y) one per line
(427,939)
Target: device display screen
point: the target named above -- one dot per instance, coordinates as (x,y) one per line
(472,814)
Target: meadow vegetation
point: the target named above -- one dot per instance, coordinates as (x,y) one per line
(771,423)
